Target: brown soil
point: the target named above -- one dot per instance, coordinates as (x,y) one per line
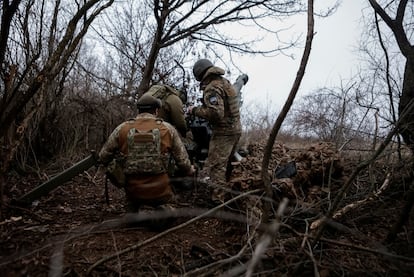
(69,231)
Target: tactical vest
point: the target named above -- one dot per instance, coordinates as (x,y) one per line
(231,102)
(144,142)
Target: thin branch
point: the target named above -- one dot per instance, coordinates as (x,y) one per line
(362,248)
(360,167)
(162,234)
(285,110)
(357,204)
(266,239)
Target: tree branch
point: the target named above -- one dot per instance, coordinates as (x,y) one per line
(285,110)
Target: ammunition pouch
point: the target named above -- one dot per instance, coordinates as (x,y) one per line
(115,173)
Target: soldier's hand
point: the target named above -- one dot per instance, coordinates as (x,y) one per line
(190,110)
(245,78)
(191,171)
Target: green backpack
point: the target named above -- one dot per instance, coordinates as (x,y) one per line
(144,152)
(162,91)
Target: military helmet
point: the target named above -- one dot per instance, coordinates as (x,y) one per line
(200,68)
(147,101)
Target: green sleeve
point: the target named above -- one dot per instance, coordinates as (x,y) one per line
(177,113)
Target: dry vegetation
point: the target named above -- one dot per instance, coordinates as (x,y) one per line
(73,231)
(58,101)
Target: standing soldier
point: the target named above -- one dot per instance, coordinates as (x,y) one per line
(146,144)
(172,109)
(221,108)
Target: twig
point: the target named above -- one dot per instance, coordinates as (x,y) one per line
(362,248)
(366,249)
(266,239)
(109,225)
(261,246)
(159,235)
(221,262)
(286,107)
(357,204)
(339,197)
(56,261)
(310,254)
(32,215)
(116,249)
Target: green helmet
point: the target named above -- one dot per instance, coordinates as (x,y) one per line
(200,68)
(147,101)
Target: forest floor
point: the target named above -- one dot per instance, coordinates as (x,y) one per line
(74,231)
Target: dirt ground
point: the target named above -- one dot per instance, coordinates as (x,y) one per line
(75,231)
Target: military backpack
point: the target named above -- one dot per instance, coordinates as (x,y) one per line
(162,91)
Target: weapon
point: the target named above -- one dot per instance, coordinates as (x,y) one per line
(240,82)
(197,148)
(198,151)
(60,179)
(201,130)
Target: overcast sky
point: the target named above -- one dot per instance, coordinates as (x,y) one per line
(332,58)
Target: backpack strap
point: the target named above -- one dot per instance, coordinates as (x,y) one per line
(162,91)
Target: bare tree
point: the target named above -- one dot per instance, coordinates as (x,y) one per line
(286,107)
(8,11)
(257,119)
(338,114)
(319,115)
(165,29)
(127,48)
(398,17)
(28,67)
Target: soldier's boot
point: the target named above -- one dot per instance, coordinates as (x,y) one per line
(160,224)
(217,197)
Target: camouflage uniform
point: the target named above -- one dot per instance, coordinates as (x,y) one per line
(172,109)
(149,189)
(220,107)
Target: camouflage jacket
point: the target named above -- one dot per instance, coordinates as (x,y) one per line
(172,109)
(171,144)
(220,103)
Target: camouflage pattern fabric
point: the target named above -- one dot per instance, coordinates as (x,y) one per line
(220,104)
(220,107)
(218,164)
(144,152)
(115,172)
(172,109)
(147,187)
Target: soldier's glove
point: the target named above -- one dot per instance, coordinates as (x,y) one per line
(192,171)
(244,78)
(191,110)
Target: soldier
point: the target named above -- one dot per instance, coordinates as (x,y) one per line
(146,144)
(172,109)
(221,108)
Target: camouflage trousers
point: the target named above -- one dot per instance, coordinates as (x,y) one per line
(218,164)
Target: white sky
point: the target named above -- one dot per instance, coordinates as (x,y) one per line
(333,57)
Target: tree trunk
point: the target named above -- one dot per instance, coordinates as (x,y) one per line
(406,103)
(405,214)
